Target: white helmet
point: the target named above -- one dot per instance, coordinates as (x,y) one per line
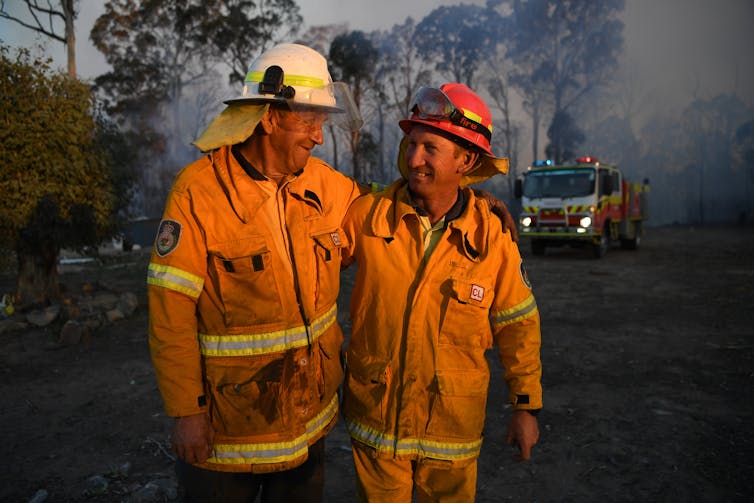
(297,75)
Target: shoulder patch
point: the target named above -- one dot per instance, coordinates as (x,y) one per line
(524,275)
(168,235)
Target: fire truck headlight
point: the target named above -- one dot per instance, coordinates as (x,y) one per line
(526,221)
(585,222)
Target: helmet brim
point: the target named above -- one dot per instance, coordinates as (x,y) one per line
(294,106)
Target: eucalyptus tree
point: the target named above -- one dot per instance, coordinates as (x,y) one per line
(352,59)
(743,159)
(563,50)
(166,56)
(710,127)
(566,137)
(398,74)
(240,30)
(460,39)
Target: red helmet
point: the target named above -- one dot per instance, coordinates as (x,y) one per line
(453,108)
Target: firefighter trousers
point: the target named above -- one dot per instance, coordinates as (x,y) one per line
(395,481)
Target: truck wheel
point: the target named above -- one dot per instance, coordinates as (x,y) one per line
(600,249)
(537,247)
(632,243)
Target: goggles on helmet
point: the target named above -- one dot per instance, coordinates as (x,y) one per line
(334,99)
(433,104)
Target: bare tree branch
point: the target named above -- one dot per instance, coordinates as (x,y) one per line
(36,10)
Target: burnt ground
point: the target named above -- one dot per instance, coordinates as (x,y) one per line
(648,362)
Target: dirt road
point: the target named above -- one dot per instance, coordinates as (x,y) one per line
(648,375)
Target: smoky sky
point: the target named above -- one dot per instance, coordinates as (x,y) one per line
(675,49)
(675,52)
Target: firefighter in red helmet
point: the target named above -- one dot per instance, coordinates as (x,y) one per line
(450,285)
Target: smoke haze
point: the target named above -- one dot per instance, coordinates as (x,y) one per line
(676,52)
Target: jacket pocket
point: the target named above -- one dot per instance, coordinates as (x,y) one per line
(327,247)
(457,404)
(465,313)
(366,388)
(246,399)
(246,284)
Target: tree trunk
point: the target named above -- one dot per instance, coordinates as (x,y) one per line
(357,171)
(38,281)
(334,147)
(535,134)
(70,36)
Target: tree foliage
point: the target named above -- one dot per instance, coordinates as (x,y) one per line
(157,66)
(239,30)
(565,138)
(54,178)
(506,129)
(165,56)
(459,38)
(401,69)
(153,52)
(352,60)
(47,143)
(563,50)
(709,128)
(743,148)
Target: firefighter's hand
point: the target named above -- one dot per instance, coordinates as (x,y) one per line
(523,431)
(498,208)
(192,438)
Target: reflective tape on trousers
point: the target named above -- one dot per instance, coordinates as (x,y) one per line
(268,342)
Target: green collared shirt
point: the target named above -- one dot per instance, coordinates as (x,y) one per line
(431,234)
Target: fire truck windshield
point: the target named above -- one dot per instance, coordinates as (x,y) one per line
(559,183)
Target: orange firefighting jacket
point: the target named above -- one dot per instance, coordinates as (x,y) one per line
(416,373)
(232,330)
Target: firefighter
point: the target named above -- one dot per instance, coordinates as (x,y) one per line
(437,284)
(243,282)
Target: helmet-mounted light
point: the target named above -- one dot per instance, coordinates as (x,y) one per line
(272,83)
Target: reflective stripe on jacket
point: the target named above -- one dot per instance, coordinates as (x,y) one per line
(240,326)
(416,372)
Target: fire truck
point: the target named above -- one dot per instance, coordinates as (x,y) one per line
(584,203)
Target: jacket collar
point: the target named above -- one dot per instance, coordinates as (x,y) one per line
(240,181)
(453,213)
(469,218)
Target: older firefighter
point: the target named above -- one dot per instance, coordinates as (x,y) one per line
(437,284)
(243,282)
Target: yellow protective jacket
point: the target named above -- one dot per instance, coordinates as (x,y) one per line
(416,372)
(232,331)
